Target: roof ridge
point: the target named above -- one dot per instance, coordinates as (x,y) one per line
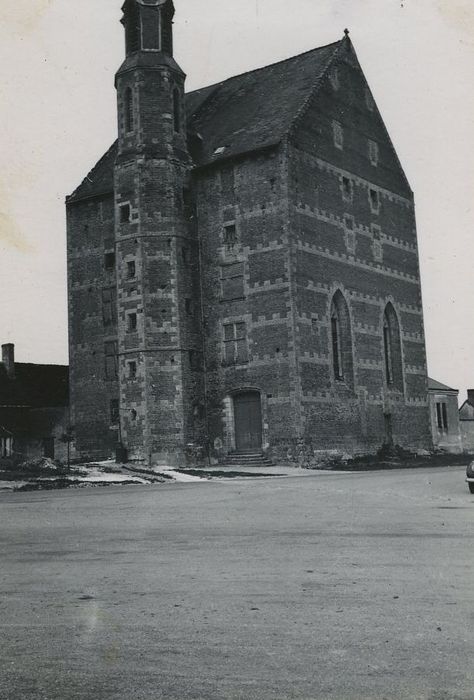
(268,65)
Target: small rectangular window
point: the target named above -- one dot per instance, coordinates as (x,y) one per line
(195,360)
(230,235)
(188,204)
(6,446)
(377,248)
(439,417)
(109,261)
(232,281)
(189,307)
(347,189)
(111,360)
(125,213)
(131,269)
(235,343)
(132,322)
(442,415)
(185,255)
(338,135)
(444,412)
(109,306)
(351,242)
(334,78)
(114,411)
(373,152)
(228,184)
(374,201)
(132,370)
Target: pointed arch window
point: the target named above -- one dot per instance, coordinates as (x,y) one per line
(177,110)
(336,343)
(341,340)
(128,106)
(392,349)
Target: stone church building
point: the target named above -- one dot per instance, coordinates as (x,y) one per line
(243,265)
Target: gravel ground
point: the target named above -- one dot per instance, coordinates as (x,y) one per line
(322,587)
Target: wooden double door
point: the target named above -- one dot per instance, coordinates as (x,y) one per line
(248,422)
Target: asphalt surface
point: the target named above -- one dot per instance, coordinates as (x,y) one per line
(335,587)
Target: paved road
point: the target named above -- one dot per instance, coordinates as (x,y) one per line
(336,587)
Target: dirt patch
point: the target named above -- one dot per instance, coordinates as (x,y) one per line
(210,474)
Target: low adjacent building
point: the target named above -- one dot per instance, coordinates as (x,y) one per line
(34,412)
(445,427)
(466,422)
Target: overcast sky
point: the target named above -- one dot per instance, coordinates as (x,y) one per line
(57,106)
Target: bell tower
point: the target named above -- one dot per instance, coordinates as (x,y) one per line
(157,275)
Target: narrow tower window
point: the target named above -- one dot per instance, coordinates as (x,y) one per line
(128,100)
(392,349)
(176,110)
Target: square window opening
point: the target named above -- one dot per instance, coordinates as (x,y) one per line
(230,235)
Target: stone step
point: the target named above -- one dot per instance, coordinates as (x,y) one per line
(247,460)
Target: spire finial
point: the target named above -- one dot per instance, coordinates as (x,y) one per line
(346,33)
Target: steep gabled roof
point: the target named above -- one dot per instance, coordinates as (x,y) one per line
(34,386)
(257,109)
(242,114)
(100,180)
(466,412)
(433,385)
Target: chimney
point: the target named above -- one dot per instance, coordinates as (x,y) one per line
(470,396)
(8,359)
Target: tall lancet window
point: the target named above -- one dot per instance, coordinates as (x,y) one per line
(177,110)
(336,344)
(341,340)
(128,109)
(392,349)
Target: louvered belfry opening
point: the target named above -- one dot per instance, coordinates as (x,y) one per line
(131,22)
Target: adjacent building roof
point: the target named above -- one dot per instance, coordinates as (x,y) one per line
(245,113)
(34,386)
(433,385)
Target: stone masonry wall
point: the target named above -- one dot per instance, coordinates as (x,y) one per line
(242,215)
(353,230)
(92,324)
